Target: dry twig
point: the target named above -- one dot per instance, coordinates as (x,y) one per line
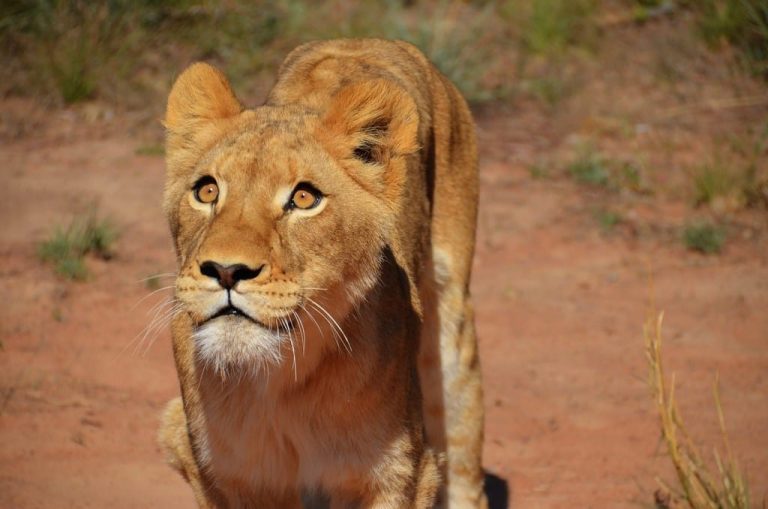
(699,488)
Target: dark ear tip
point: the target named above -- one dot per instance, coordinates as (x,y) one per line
(365,154)
(372,149)
(378,115)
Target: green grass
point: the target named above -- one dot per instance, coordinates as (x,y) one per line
(550,27)
(643,9)
(461,42)
(74,49)
(741,23)
(712,180)
(71,72)
(550,90)
(151,150)
(466,42)
(66,248)
(703,237)
(608,219)
(539,170)
(630,177)
(545,36)
(589,168)
(736,173)
(754,152)
(121,50)
(755,187)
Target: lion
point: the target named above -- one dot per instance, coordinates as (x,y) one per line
(324,335)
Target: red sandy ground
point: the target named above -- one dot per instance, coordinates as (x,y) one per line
(560,307)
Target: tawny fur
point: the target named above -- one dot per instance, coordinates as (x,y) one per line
(359,367)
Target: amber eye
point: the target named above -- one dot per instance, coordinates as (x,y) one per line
(206,190)
(305,197)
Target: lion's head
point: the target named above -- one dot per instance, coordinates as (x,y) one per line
(280,214)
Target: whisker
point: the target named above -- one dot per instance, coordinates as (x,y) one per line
(149,338)
(292,336)
(202,375)
(150,295)
(157,322)
(160,304)
(158,307)
(303,332)
(285,324)
(138,339)
(157,276)
(335,323)
(309,313)
(162,324)
(336,336)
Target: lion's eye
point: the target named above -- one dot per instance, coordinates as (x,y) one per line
(305,197)
(206,190)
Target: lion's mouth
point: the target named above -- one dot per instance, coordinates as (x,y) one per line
(231,310)
(285,325)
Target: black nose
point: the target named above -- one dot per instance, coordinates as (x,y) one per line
(228,275)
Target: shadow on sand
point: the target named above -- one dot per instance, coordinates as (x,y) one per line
(497,491)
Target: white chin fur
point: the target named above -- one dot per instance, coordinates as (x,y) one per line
(231,344)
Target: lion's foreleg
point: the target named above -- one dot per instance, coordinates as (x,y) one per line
(410,481)
(453,398)
(174,440)
(464,417)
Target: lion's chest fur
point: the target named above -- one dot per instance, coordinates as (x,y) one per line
(249,441)
(315,438)
(252,438)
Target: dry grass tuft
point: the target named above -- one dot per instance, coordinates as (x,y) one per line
(699,487)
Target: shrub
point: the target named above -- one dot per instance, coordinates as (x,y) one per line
(589,168)
(549,27)
(67,247)
(704,237)
(743,23)
(712,180)
(608,219)
(69,46)
(464,41)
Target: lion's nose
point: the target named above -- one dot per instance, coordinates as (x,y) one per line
(228,275)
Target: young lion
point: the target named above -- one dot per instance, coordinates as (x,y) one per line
(324,243)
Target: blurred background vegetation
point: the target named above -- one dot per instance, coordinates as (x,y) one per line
(602,75)
(129,50)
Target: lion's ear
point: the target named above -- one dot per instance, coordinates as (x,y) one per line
(202,93)
(372,121)
(200,102)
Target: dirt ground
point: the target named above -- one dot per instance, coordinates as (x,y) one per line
(560,306)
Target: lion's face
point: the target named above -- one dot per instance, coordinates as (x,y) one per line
(279,224)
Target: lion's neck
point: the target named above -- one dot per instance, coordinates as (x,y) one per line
(342,386)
